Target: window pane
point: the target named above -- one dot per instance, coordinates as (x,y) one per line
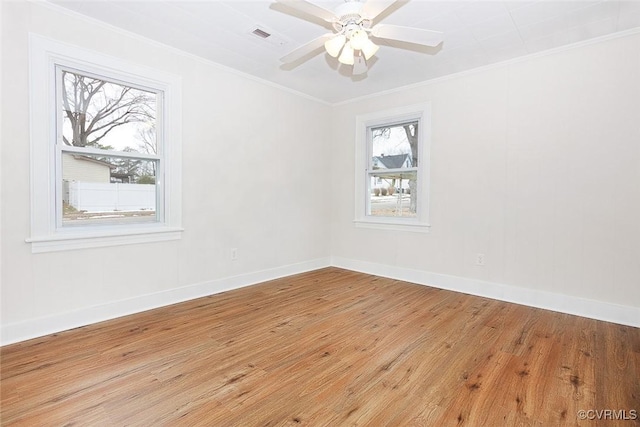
(393,195)
(395,146)
(107,190)
(101,114)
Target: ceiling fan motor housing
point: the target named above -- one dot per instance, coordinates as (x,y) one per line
(348,9)
(350,18)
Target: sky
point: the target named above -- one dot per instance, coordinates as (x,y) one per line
(396,143)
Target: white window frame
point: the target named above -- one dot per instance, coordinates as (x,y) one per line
(47,233)
(364,124)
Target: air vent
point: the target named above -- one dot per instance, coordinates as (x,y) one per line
(265,37)
(260,33)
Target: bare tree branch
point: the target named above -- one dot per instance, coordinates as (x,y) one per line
(95,107)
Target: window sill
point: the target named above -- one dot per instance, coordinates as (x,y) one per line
(98,239)
(394,225)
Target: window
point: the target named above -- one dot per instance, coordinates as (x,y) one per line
(107,148)
(392,169)
(105,140)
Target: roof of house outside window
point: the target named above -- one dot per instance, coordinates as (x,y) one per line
(395,161)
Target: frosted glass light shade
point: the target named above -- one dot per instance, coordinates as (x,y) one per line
(346,57)
(334,45)
(369,49)
(358,39)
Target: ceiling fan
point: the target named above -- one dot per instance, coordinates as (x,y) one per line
(353,25)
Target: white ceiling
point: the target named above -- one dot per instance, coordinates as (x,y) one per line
(476,33)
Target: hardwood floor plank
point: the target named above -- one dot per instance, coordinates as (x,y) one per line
(327,348)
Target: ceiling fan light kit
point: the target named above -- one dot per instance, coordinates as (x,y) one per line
(352,22)
(369,49)
(358,40)
(347,57)
(334,45)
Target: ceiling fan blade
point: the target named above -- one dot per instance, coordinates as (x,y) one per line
(373,8)
(306,49)
(408,34)
(311,9)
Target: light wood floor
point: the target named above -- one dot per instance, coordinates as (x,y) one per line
(328,348)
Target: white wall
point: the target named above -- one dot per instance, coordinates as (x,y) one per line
(248,183)
(535,164)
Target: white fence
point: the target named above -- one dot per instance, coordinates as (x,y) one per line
(98,197)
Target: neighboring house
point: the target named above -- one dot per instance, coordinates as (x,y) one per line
(77,168)
(85,169)
(396,161)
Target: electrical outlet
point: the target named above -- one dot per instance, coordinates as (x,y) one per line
(480,259)
(234,254)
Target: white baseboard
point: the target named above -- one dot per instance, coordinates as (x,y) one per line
(21,331)
(609,312)
(621,314)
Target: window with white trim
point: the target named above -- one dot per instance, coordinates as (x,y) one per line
(392,174)
(105,150)
(108,153)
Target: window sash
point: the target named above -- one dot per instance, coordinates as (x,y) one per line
(59,86)
(389,174)
(400,171)
(59,191)
(107,153)
(62,148)
(389,124)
